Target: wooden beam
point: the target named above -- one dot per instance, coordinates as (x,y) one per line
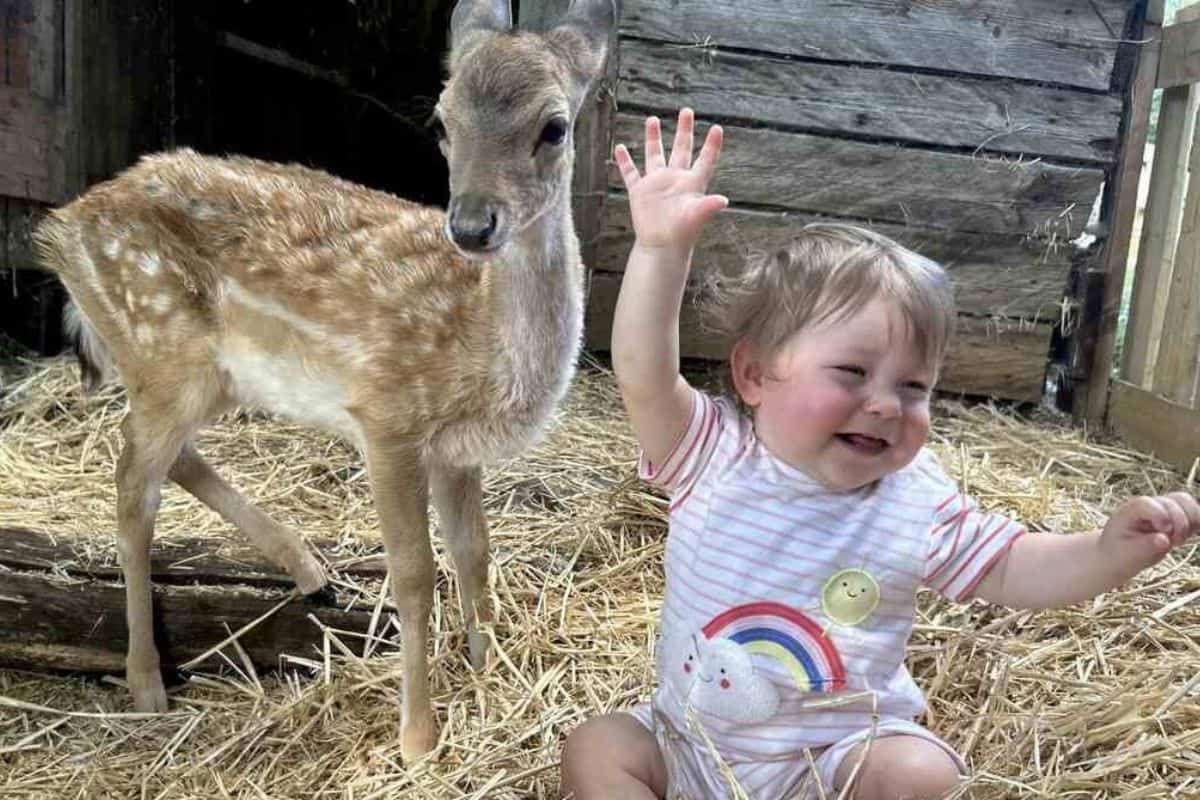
(1006,361)
(952,111)
(1160,232)
(63,613)
(1179,64)
(1096,355)
(884,182)
(1178,357)
(1069,42)
(993,274)
(1155,425)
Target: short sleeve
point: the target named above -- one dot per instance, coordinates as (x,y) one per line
(965,541)
(691,454)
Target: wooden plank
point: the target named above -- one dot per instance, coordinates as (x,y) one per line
(993,275)
(1069,42)
(593,133)
(54,623)
(825,175)
(187,561)
(960,112)
(67,611)
(1179,64)
(1006,362)
(1155,425)
(31,146)
(1178,357)
(1095,341)
(1160,232)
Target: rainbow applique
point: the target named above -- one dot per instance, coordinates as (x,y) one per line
(789,637)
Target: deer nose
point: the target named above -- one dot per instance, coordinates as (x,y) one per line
(472,222)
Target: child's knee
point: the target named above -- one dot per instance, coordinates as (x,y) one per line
(609,751)
(906,767)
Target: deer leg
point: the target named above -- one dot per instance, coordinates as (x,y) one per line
(458,498)
(141,470)
(280,544)
(401,490)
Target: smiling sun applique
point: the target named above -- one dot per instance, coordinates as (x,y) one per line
(850,596)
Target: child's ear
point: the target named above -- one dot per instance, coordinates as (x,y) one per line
(748,373)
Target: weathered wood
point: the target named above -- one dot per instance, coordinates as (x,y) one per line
(31,146)
(819,174)
(187,561)
(1179,64)
(961,112)
(1178,359)
(1096,339)
(1155,425)
(1070,42)
(993,275)
(78,624)
(63,611)
(1160,232)
(1006,362)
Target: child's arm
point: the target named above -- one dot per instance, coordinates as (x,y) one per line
(1045,570)
(669,210)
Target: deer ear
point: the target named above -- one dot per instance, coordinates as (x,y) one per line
(582,36)
(475,16)
(594,20)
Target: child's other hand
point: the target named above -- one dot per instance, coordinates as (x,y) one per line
(1145,529)
(668,203)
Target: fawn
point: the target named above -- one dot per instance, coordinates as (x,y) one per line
(435,341)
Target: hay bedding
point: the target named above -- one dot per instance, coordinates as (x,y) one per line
(1096,701)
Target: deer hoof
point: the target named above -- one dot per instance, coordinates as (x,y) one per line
(149,696)
(417,737)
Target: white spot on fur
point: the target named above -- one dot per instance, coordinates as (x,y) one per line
(149,263)
(112,249)
(162,303)
(144,333)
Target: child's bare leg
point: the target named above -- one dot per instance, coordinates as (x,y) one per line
(897,767)
(613,757)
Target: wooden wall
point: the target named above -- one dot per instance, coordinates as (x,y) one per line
(978,133)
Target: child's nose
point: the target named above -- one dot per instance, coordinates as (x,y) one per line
(884,403)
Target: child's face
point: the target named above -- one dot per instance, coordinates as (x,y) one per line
(846,402)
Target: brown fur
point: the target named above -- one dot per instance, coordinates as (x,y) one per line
(211,282)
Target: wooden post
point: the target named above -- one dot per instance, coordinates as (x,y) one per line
(1121,203)
(592,132)
(1160,231)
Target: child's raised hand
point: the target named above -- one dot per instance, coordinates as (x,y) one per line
(1144,529)
(668,203)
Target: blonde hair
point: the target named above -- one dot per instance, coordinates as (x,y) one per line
(828,272)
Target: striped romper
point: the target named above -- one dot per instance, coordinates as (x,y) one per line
(788,608)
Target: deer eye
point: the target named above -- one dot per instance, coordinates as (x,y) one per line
(555,132)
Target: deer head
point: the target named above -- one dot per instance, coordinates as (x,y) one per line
(513,93)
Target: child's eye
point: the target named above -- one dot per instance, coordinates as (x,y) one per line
(917,387)
(851,369)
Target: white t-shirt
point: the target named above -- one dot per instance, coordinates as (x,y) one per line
(787,606)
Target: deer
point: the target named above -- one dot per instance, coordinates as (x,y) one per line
(434,341)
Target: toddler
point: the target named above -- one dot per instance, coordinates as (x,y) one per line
(805,514)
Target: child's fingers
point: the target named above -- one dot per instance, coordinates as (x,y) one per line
(1189,510)
(681,148)
(706,162)
(654,145)
(625,165)
(1179,520)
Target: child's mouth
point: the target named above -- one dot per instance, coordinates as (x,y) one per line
(860,442)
